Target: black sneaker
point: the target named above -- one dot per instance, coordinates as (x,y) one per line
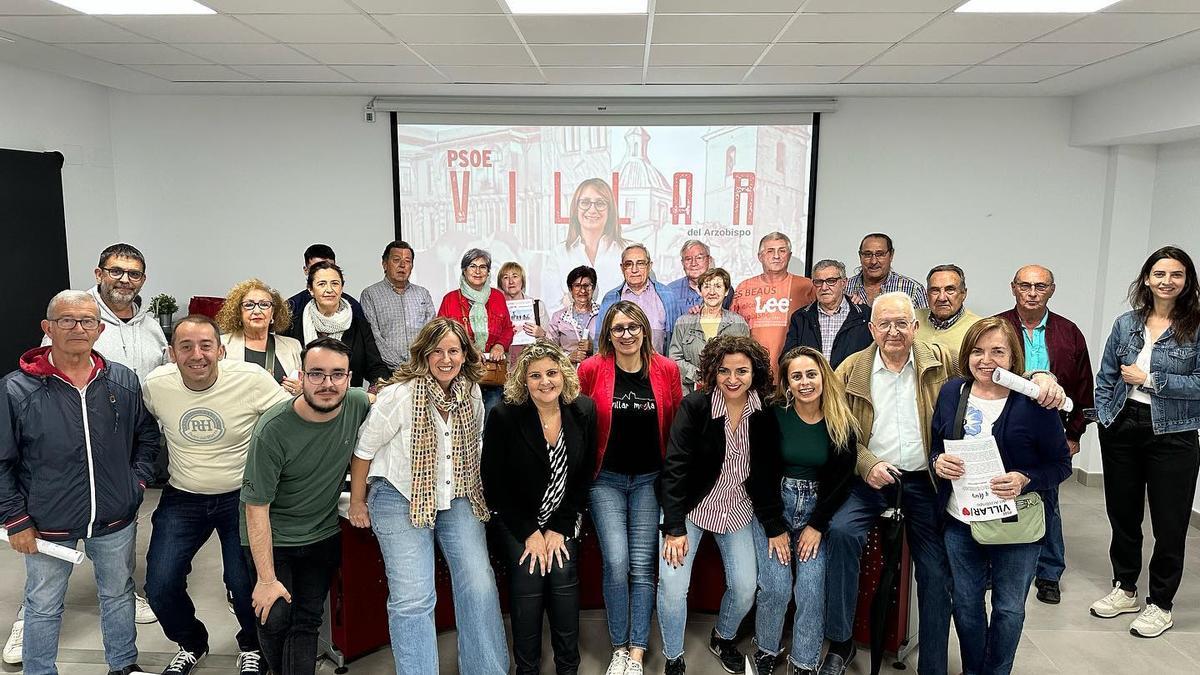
(764,663)
(675,667)
(1047,591)
(248,663)
(127,670)
(184,662)
(726,651)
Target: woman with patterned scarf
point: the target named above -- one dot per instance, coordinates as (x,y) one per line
(483,311)
(415,478)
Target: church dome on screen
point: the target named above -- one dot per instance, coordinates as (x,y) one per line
(636,170)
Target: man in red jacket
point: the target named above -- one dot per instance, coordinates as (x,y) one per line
(1052,342)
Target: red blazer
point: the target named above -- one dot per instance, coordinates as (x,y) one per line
(500,328)
(598,376)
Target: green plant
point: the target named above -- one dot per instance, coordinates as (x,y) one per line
(163,304)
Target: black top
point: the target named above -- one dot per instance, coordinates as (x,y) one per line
(804,329)
(634,426)
(260,359)
(365,361)
(835,470)
(515,467)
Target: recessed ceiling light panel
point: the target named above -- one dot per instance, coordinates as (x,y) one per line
(577,6)
(1035,6)
(143,7)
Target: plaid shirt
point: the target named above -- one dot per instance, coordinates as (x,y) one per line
(894,282)
(396,318)
(727,508)
(830,324)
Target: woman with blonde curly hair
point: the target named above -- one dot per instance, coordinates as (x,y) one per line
(253,321)
(539,449)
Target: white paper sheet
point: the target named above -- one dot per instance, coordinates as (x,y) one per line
(521,313)
(973,492)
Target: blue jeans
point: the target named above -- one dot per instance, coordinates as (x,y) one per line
(737,557)
(1052,561)
(408,559)
(625,512)
(183,522)
(845,540)
(46,579)
(988,647)
(776,587)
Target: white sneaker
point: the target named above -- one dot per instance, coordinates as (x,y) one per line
(16,639)
(633,668)
(141,611)
(1152,622)
(619,664)
(1115,604)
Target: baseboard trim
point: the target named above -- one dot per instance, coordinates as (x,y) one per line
(1089,479)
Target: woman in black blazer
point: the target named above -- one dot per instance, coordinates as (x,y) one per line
(328,314)
(721,474)
(539,449)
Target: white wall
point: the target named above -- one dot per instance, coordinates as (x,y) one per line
(45,113)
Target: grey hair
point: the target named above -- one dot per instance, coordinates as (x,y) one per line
(630,247)
(830,262)
(71,297)
(472,254)
(694,242)
(771,236)
(900,298)
(949,267)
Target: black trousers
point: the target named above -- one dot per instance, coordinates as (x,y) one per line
(289,637)
(557,594)
(1138,462)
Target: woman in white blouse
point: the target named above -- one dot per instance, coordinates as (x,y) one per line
(415,478)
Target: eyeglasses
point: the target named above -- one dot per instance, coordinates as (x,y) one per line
(263,305)
(635,264)
(830,282)
(598,204)
(478,268)
(118,272)
(694,259)
(583,287)
(67,323)
(632,330)
(887,326)
(1025,287)
(319,377)
(868,255)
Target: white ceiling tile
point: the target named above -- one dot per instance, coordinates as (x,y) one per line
(945,54)
(705,55)
(135,54)
(991,27)
(407,74)
(701,75)
(798,74)
(880,5)
(430,6)
(19,7)
(293,73)
(361,54)
(475,55)
(589,55)
(902,74)
(1060,54)
(879,27)
(1008,74)
(719,6)
(717,28)
(593,75)
(76,28)
(613,30)
(280,6)
(330,28)
(1126,28)
(823,54)
(450,30)
(195,73)
(493,74)
(1155,6)
(210,28)
(235,54)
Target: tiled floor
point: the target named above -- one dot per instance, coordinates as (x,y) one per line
(1062,639)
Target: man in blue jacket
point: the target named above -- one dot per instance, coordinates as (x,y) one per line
(833,323)
(77,446)
(656,300)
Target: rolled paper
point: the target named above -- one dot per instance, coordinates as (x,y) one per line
(53,550)
(1021,385)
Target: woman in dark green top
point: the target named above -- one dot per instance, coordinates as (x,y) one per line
(818,446)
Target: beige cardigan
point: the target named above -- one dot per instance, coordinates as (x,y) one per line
(287,350)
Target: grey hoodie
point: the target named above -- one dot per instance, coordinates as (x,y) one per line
(138,344)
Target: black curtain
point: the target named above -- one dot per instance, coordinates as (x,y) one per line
(35,236)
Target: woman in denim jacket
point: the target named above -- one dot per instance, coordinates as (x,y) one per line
(1148,405)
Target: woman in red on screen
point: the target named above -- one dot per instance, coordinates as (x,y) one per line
(593,239)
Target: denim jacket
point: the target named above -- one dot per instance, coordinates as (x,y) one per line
(1173,381)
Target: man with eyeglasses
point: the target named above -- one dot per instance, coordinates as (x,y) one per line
(1054,343)
(395,307)
(766,301)
(833,323)
(696,260)
(208,407)
(876,276)
(77,448)
(660,305)
(946,319)
(295,471)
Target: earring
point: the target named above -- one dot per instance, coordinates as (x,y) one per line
(789,397)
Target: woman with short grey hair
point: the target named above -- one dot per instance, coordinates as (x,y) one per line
(483,312)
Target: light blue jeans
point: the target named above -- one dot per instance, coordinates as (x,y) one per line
(626,515)
(112,557)
(737,557)
(776,587)
(408,559)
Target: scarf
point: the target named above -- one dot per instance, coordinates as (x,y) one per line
(333,326)
(476,319)
(569,316)
(465,440)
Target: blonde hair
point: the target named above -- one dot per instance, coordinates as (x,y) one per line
(229,318)
(511,267)
(516,391)
(426,341)
(840,423)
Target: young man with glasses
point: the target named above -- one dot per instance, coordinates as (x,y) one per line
(208,407)
(833,324)
(655,299)
(876,276)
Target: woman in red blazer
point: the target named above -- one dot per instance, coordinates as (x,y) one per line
(637,393)
(483,311)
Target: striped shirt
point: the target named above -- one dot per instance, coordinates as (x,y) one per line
(727,507)
(831,323)
(557,487)
(893,282)
(396,318)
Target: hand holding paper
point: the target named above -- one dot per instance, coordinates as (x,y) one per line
(54,550)
(1021,385)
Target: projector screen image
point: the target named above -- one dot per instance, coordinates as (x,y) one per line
(555,197)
